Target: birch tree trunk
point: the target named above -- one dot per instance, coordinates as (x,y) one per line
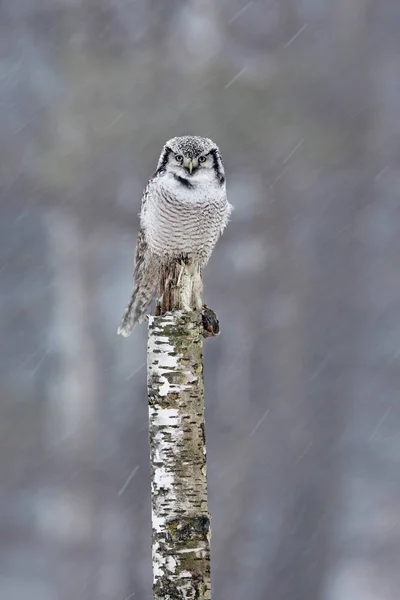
(180,518)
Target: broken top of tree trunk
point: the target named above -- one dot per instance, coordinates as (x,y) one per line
(180,518)
(180,288)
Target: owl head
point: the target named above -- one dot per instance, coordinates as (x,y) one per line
(192,159)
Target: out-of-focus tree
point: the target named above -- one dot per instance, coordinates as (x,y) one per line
(301,386)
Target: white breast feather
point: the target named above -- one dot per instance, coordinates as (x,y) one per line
(179,220)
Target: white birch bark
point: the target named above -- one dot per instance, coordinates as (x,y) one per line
(180,518)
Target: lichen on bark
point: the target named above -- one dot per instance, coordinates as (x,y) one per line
(180,518)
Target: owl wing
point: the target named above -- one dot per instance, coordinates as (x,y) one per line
(145,276)
(141,243)
(140,251)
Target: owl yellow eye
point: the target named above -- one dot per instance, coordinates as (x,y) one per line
(202,159)
(179,158)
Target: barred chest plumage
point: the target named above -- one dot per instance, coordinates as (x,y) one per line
(180,220)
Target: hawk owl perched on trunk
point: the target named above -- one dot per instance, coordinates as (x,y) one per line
(184,211)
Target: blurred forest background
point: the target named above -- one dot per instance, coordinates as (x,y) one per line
(302,386)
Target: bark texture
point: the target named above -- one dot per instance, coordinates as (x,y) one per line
(180,286)
(180,518)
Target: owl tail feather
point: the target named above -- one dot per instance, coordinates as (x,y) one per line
(141,299)
(135,312)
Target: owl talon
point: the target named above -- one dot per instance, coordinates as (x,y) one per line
(210,322)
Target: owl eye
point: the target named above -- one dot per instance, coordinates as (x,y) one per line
(179,158)
(202,159)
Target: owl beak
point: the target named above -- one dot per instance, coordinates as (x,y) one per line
(190,166)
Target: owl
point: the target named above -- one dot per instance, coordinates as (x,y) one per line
(183,213)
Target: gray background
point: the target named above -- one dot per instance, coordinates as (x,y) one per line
(302,387)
